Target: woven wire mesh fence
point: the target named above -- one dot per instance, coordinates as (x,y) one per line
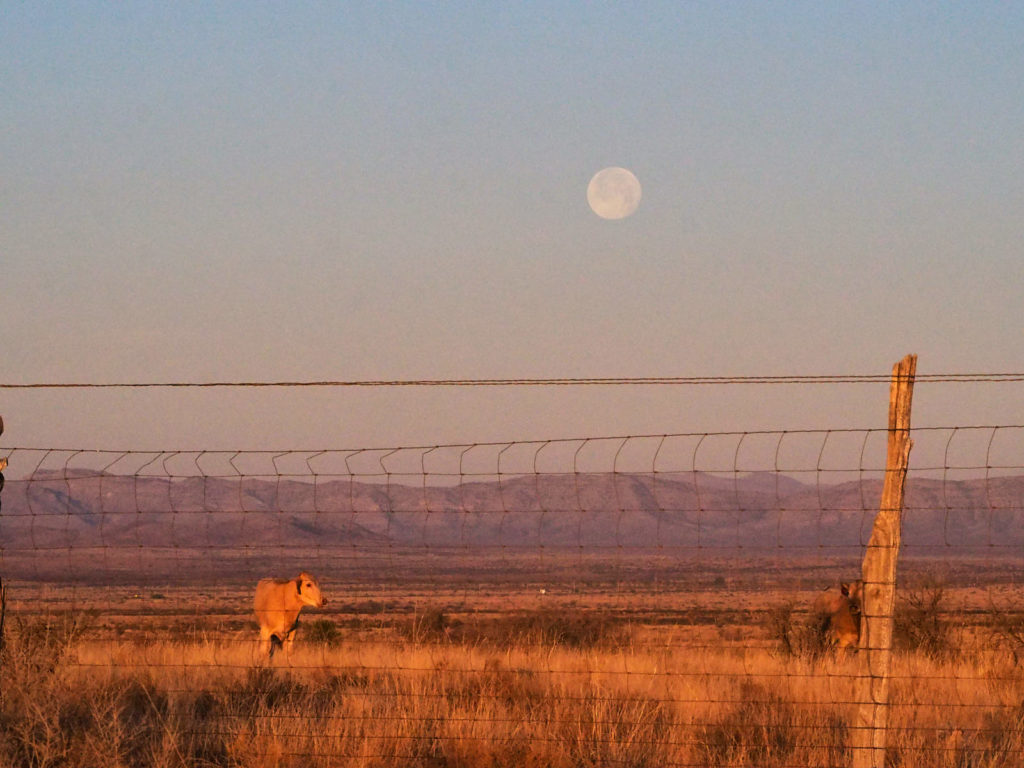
(644,600)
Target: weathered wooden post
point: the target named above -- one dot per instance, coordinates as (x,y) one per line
(3,612)
(879,573)
(3,462)
(3,590)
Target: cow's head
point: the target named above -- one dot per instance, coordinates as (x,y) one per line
(309,590)
(853,591)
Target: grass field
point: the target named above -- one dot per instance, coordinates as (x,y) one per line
(715,673)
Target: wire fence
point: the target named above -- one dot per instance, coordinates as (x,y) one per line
(641,600)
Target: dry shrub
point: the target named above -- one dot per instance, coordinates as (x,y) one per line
(756,730)
(799,635)
(995,740)
(322,632)
(565,628)
(44,721)
(761,727)
(40,646)
(262,690)
(921,624)
(430,625)
(547,628)
(571,628)
(513,688)
(1006,631)
(631,730)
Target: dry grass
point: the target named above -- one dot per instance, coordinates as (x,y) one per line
(617,696)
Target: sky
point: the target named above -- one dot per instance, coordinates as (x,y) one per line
(197,192)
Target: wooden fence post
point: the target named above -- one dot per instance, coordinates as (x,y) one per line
(3,462)
(869,733)
(3,612)
(3,591)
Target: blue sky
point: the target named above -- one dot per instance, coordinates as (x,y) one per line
(252,191)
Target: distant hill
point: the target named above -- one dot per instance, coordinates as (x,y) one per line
(584,511)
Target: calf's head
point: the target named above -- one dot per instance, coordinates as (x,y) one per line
(308,590)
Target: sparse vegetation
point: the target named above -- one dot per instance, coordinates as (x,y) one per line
(439,676)
(570,628)
(543,697)
(797,633)
(321,632)
(922,622)
(1007,632)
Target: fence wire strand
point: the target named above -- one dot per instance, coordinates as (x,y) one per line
(925,378)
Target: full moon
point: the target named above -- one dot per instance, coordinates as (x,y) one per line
(613,193)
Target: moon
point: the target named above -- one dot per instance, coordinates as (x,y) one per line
(614,193)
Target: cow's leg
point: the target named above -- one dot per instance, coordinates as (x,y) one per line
(288,641)
(266,648)
(275,643)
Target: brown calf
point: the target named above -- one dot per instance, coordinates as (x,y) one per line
(277,606)
(839,611)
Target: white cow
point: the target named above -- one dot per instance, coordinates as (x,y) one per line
(277,606)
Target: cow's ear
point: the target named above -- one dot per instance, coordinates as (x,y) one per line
(298,585)
(845,588)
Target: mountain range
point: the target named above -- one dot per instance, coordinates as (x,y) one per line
(68,511)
